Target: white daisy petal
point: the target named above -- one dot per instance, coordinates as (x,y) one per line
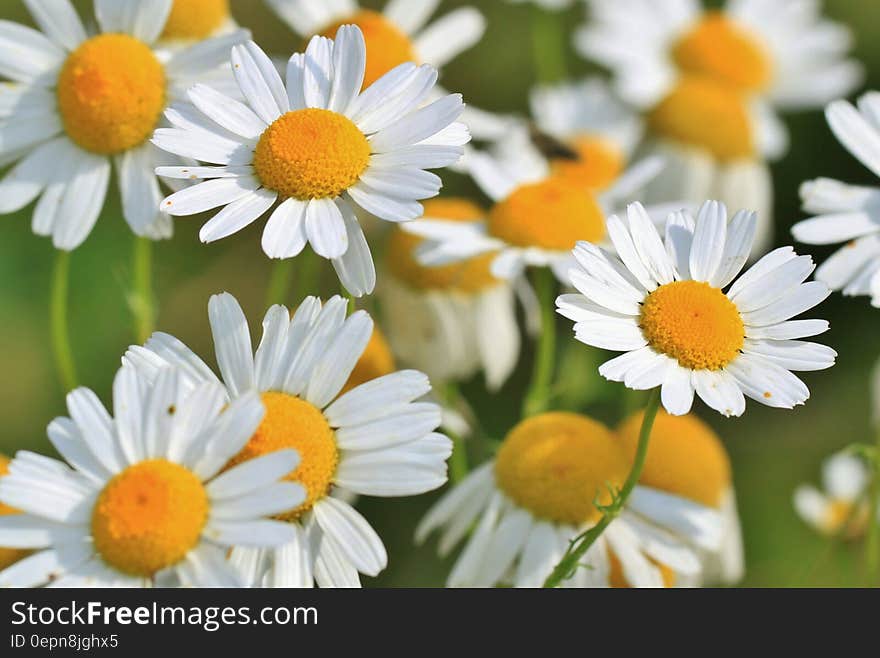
(252,474)
(259,81)
(450,35)
(284,235)
(355,267)
(710,236)
(237,215)
(232,343)
(229,113)
(352,535)
(339,359)
(325,228)
(59,21)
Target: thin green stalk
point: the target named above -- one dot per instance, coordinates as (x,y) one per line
(872,545)
(58,321)
(279,282)
(581,544)
(538,395)
(548,45)
(458,461)
(142,300)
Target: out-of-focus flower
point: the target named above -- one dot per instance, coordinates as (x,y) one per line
(551,5)
(664,306)
(195,20)
(454,320)
(848,213)
(840,506)
(374,440)
(711,81)
(145,498)
(76,104)
(541,491)
(687,459)
(318,145)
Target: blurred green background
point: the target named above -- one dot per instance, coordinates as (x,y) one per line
(771,450)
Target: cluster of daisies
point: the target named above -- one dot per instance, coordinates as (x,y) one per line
(250,475)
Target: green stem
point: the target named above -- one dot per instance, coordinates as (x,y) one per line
(279,282)
(538,395)
(60,331)
(458,461)
(548,45)
(143,301)
(872,545)
(581,544)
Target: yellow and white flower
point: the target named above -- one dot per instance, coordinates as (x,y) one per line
(145,498)
(191,21)
(842,505)
(453,320)
(664,305)
(848,213)
(374,440)
(711,81)
(76,104)
(539,211)
(319,146)
(687,459)
(540,492)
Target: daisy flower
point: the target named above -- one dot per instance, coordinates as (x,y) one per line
(8,556)
(840,507)
(711,82)
(195,20)
(146,498)
(537,215)
(540,492)
(76,103)
(664,305)
(848,213)
(318,146)
(375,440)
(454,320)
(686,459)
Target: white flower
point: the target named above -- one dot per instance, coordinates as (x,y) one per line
(664,306)
(145,499)
(452,321)
(374,440)
(840,506)
(70,111)
(318,145)
(539,212)
(848,213)
(538,494)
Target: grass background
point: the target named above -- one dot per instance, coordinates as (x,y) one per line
(771,450)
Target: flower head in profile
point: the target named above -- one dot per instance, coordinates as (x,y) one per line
(76,105)
(847,213)
(376,439)
(841,506)
(145,496)
(543,488)
(313,150)
(686,322)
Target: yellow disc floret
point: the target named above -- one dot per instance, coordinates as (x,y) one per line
(192,20)
(148,517)
(376,361)
(685,457)
(598,164)
(111,93)
(8,556)
(720,49)
(557,465)
(706,114)
(693,323)
(311,154)
(291,422)
(551,214)
(387,45)
(470,275)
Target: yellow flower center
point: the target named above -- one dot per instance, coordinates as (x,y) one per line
(471,275)
(694,323)
(387,45)
(599,163)
(149,516)
(706,114)
(376,361)
(111,93)
(9,556)
(552,214)
(191,20)
(291,422)
(685,457)
(720,49)
(311,154)
(617,579)
(556,465)
(840,513)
